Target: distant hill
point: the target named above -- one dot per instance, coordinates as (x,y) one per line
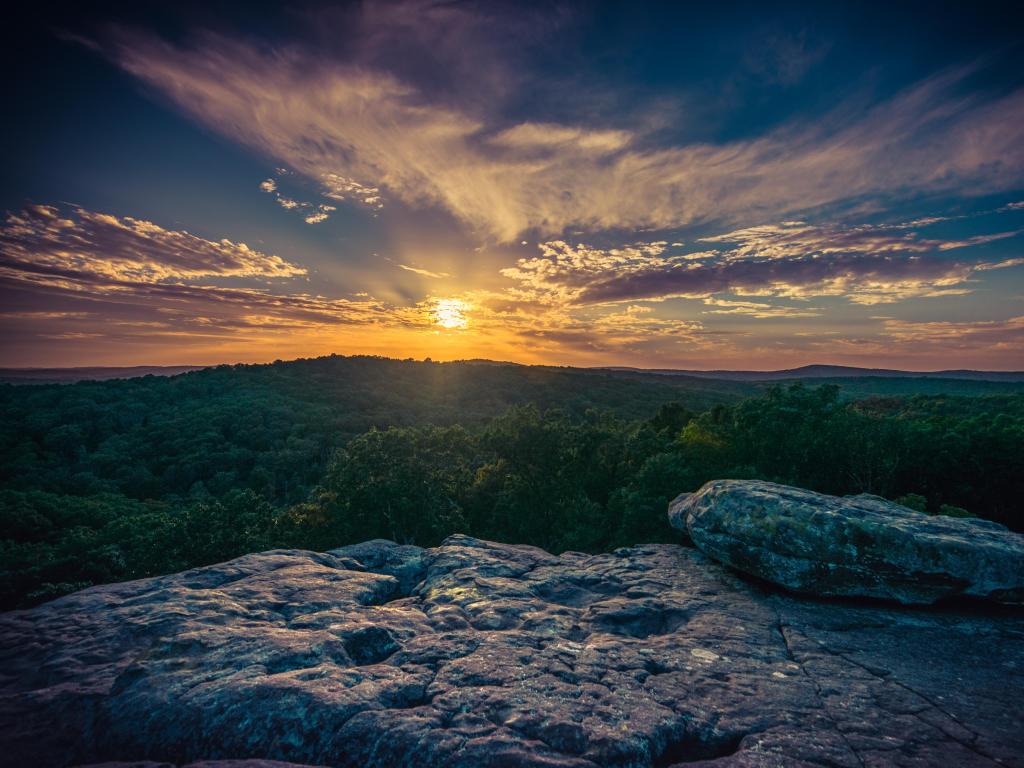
(834,372)
(99,373)
(837,373)
(697,388)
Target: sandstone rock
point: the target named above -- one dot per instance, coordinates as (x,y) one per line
(500,655)
(854,545)
(402,561)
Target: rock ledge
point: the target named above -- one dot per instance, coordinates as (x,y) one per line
(861,546)
(481,654)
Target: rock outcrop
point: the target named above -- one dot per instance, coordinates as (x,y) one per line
(480,654)
(850,546)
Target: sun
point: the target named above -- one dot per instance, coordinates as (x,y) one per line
(450,313)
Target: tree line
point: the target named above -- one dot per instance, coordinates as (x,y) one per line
(578,475)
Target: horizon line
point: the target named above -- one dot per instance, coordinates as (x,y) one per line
(200,366)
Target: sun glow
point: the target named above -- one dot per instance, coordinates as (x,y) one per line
(450,313)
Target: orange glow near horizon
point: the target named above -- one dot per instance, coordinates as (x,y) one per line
(465,339)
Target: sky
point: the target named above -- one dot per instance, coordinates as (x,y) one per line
(663,185)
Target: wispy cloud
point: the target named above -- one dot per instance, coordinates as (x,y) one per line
(145,280)
(560,330)
(757,309)
(47,239)
(424,272)
(313,213)
(864,271)
(339,188)
(379,134)
(1006,336)
(797,238)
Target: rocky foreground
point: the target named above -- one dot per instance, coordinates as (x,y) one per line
(850,546)
(482,654)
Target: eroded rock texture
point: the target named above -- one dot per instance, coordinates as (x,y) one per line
(852,545)
(480,654)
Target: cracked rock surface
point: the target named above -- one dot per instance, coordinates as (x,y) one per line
(861,545)
(482,654)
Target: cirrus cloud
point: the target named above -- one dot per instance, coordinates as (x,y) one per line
(334,120)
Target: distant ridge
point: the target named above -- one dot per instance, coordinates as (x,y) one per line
(833,372)
(96,373)
(823,372)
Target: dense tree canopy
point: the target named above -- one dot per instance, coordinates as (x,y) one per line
(104,481)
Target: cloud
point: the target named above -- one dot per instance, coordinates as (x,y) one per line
(339,188)
(584,275)
(1005,336)
(322,213)
(546,137)
(1015,262)
(757,310)
(580,299)
(197,307)
(977,240)
(915,344)
(866,264)
(78,276)
(46,315)
(558,330)
(380,134)
(312,213)
(797,238)
(82,274)
(563,272)
(424,272)
(861,279)
(48,240)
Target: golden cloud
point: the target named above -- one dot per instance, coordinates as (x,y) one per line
(375,133)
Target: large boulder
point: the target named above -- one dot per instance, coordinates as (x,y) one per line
(500,655)
(850,546)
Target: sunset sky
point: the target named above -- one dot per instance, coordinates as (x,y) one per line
(580,184)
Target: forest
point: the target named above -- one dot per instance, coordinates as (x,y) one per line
(111,480)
